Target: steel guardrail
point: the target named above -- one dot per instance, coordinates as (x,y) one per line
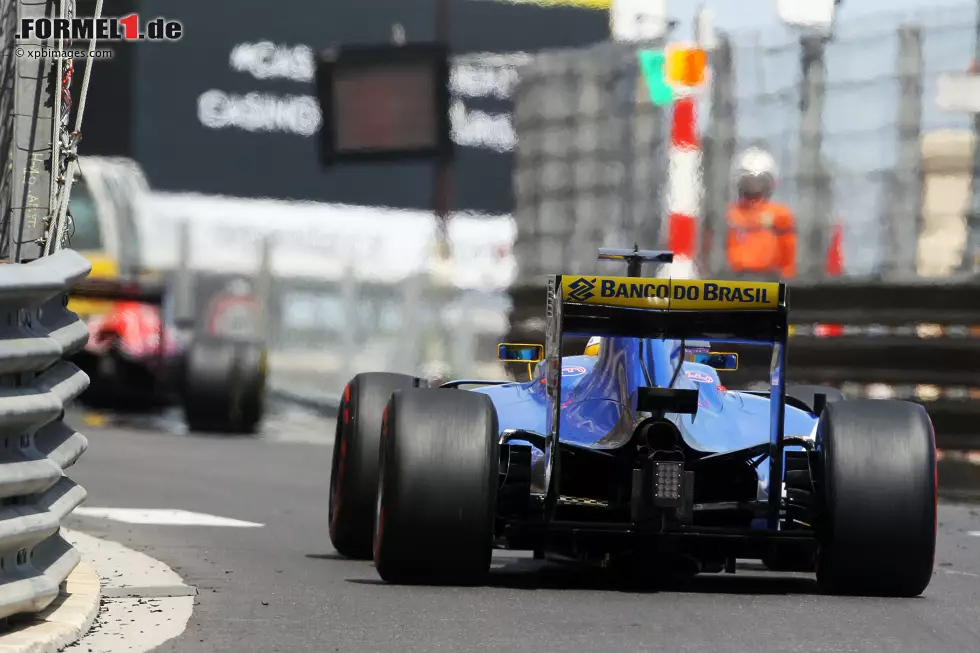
(37,332)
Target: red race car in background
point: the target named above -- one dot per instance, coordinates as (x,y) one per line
(130,357)
(137,360)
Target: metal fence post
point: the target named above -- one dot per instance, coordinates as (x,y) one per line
(606,133)
(410,357)
(34,91)
(719,154)
(812,214)
(263,287)
(184,299)
(460,347)
(352,323)
(625,104)
(649,161)
(971,253)
(904,204)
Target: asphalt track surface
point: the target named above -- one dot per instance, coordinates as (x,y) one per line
(281,587)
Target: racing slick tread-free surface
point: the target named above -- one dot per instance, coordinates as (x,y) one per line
(224,386)
(878,487)
(807,393)
(354,472)
(438,488)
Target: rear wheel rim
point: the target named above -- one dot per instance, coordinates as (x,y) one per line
(339,461)
(379,510)
(337,476)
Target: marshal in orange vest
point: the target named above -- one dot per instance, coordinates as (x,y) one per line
(761,238)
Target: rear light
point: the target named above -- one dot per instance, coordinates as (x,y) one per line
(667,479)
(828,330)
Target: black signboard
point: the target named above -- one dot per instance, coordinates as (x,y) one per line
(384,103)
(108,123)
(231,107)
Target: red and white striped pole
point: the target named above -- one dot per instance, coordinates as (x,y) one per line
(685,183)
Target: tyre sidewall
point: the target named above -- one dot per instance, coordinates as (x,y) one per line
(354,469)
(878,472)
(426,523)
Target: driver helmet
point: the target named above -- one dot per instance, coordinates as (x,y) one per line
(592,347)
(694,347)
(755,174)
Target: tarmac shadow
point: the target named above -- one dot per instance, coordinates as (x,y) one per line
(536,575)
(332,555)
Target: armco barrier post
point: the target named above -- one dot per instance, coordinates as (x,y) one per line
(36,333)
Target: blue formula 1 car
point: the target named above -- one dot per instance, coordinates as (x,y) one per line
(636,457)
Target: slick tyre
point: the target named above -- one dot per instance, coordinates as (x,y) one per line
(877,532)
(437,496)
(224,386)
(354,472)
(808,393)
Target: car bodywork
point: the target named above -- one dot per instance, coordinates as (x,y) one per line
(133,356)
(636,441)
(598,403)
(136,328)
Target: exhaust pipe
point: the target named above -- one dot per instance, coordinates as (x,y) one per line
(660,435)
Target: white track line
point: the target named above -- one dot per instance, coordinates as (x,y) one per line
(162,517)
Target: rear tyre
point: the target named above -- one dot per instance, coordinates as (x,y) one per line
(437,495)
(808,393)
(224,386)
(354,472)
(877,531)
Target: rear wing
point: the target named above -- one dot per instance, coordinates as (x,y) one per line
(670,308)
(90,297)
(95,296)
(116,290)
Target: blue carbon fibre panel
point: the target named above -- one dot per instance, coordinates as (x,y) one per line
(599,395)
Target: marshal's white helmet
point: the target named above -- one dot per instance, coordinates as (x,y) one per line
(755,172)
(238,287)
